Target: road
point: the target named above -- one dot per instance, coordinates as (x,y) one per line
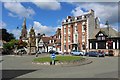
(100,68)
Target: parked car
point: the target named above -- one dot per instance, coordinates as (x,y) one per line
(106,54)
(77,53)
(94,54)
(110,53)
(66,53)
(60,52)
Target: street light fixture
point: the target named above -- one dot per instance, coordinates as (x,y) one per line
(109,40)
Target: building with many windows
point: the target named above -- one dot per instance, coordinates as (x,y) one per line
(76,31)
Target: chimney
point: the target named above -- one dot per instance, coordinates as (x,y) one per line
(68,17)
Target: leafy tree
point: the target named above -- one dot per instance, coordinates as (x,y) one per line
(11,44)
(6,36)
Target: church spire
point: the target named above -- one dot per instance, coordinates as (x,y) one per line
(24,23)
(24,29)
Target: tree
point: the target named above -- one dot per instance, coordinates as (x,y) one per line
(10,45)
(6,36)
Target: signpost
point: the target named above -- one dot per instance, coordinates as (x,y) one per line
(53,58)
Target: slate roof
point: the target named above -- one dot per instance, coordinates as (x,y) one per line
(45,39)
(58,41)
(111,32)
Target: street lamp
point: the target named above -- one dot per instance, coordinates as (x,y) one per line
(109,41)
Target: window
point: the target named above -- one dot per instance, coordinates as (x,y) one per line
(68,30)
(76,38)
(83,28)
(64,47)
(64,30)
(94,45)
(69,38)
(100,34)
(64,38)
(101,38)
(83,34)
(75,29)
(83,45)
(69,46)
(51,41)
(101,45)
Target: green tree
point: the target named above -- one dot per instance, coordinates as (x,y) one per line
(11,44)
(6,36)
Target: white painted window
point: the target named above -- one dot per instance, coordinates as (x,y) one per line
(64,30)
(69,25)
(100,34)
(68,30)
(75,29)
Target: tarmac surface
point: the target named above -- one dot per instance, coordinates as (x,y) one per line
(22,67)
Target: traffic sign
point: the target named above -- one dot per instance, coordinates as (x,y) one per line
(53,56)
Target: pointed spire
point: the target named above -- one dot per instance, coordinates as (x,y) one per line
(24,23)
(107,23)
(24,29)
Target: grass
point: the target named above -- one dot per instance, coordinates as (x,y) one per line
(58,58)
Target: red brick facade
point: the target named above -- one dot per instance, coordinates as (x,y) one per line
(72,36)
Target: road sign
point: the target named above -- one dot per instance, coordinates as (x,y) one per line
(53,56)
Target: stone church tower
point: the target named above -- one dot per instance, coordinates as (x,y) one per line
(31,42)
(24,30)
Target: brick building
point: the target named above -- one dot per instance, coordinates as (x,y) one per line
(76,31)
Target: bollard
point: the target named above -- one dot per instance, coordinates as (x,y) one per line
(50,62)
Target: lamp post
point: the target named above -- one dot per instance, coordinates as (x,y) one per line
(107,24)
(109,40)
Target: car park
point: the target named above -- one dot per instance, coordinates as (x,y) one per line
(77,53)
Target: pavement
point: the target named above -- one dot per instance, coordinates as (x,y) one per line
(22,67)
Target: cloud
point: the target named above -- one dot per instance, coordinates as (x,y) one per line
(18,9)
(47,4)
(12,15)
(106,11)
(39,28)
(16,32)
(2,24)
(104,26)
(77,11)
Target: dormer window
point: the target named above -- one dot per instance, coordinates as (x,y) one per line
(101,35)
